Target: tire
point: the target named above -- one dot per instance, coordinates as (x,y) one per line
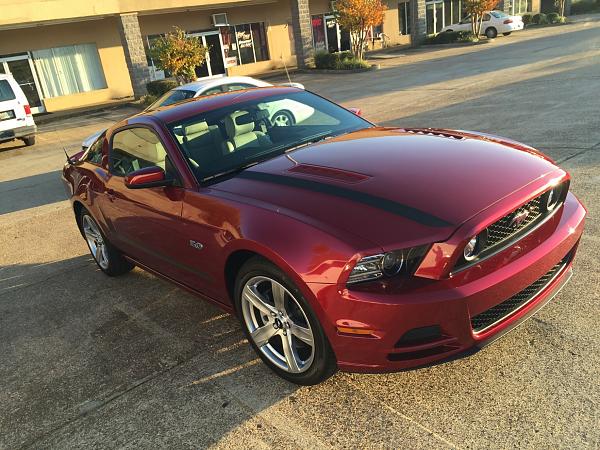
(283,118)
(107,257)
(491,32)
(290,320)
(507,33)
(29,140)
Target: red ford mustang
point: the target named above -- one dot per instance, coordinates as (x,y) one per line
(337,243)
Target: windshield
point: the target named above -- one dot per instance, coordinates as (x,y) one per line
(172,96)
(498,14)
(219,142)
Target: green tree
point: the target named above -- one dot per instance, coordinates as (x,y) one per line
(180,54)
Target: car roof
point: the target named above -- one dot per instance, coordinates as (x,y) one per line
(5,76)
(204,83)
(194,106)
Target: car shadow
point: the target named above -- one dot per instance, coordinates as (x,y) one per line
(30,192)
(81,349)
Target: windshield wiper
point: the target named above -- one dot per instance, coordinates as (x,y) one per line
(310,140)
(229,172)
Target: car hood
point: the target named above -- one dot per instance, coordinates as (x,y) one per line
(392,186)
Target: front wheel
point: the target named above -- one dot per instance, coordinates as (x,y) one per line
(108,258)
(281,326)
(283,119)
(507,33)
(491,32)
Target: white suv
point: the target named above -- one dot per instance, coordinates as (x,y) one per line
(16,121)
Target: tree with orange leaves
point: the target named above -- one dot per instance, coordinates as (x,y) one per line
(477,9)
(180,54)
(358,17)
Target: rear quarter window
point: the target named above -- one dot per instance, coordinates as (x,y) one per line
(6,92)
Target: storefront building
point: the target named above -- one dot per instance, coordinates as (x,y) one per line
(68,53)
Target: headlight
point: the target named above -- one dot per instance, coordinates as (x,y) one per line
(387,264)
(551,198)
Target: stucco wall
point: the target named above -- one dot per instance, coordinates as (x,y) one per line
(276,16)
(103,33)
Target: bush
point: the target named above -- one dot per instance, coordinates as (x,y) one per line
(553,17)
(526,19)
(159,87)
(147,100)
(449,37)
(539,19)
(339,61)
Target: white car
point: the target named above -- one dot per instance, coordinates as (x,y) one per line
(16,121)
(217,85)
(494,22)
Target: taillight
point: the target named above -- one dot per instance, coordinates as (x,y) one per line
(27,109)
(507,21)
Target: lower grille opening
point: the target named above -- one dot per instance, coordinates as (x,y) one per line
(421,335)
(490,317)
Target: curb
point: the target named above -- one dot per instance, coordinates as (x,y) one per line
(67,114)
(342,71)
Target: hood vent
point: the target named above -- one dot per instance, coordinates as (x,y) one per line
(432,132)
(329,172)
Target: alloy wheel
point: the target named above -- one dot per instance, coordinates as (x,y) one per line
(282,120)
(277,324)
(95,241)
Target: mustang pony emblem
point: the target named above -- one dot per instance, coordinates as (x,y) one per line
(519,218)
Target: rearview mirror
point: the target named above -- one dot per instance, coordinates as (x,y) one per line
(147,177)
(356,111)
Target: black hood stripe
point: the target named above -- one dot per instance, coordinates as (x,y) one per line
(370,200)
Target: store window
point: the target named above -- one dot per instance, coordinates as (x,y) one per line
(246,42)
(521,6)
(69,70)
(404,18)
(318,32)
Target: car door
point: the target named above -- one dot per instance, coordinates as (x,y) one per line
(143,222)
(486,22)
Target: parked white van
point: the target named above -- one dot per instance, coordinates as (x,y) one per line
(16,121)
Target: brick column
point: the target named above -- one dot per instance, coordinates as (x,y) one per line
(302,27)
(135,55)
(419,22)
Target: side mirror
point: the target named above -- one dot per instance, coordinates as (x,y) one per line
(147,177)
(356,111)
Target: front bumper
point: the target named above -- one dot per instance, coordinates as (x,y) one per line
(449,305)
(16,133)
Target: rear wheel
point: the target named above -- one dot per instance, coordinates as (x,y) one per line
(29,140)
(281,326)
(108,258)
(491,32)
(507,33)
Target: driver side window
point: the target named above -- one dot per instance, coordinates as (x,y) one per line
(135,148)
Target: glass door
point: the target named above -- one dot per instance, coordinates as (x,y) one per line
(22,69)
(214,63)
(332,34)
(434,15)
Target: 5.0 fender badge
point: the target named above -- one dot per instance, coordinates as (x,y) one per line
(197,245)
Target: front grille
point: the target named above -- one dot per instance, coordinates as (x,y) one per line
(515,225)
(495,314)
(503,229)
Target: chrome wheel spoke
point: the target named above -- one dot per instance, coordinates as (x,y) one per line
(278,295)
(256,300)
(262,335)
(304,334)
(290,354)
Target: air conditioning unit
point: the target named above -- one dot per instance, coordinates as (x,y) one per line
(220,20)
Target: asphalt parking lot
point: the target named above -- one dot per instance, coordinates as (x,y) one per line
(92,361)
